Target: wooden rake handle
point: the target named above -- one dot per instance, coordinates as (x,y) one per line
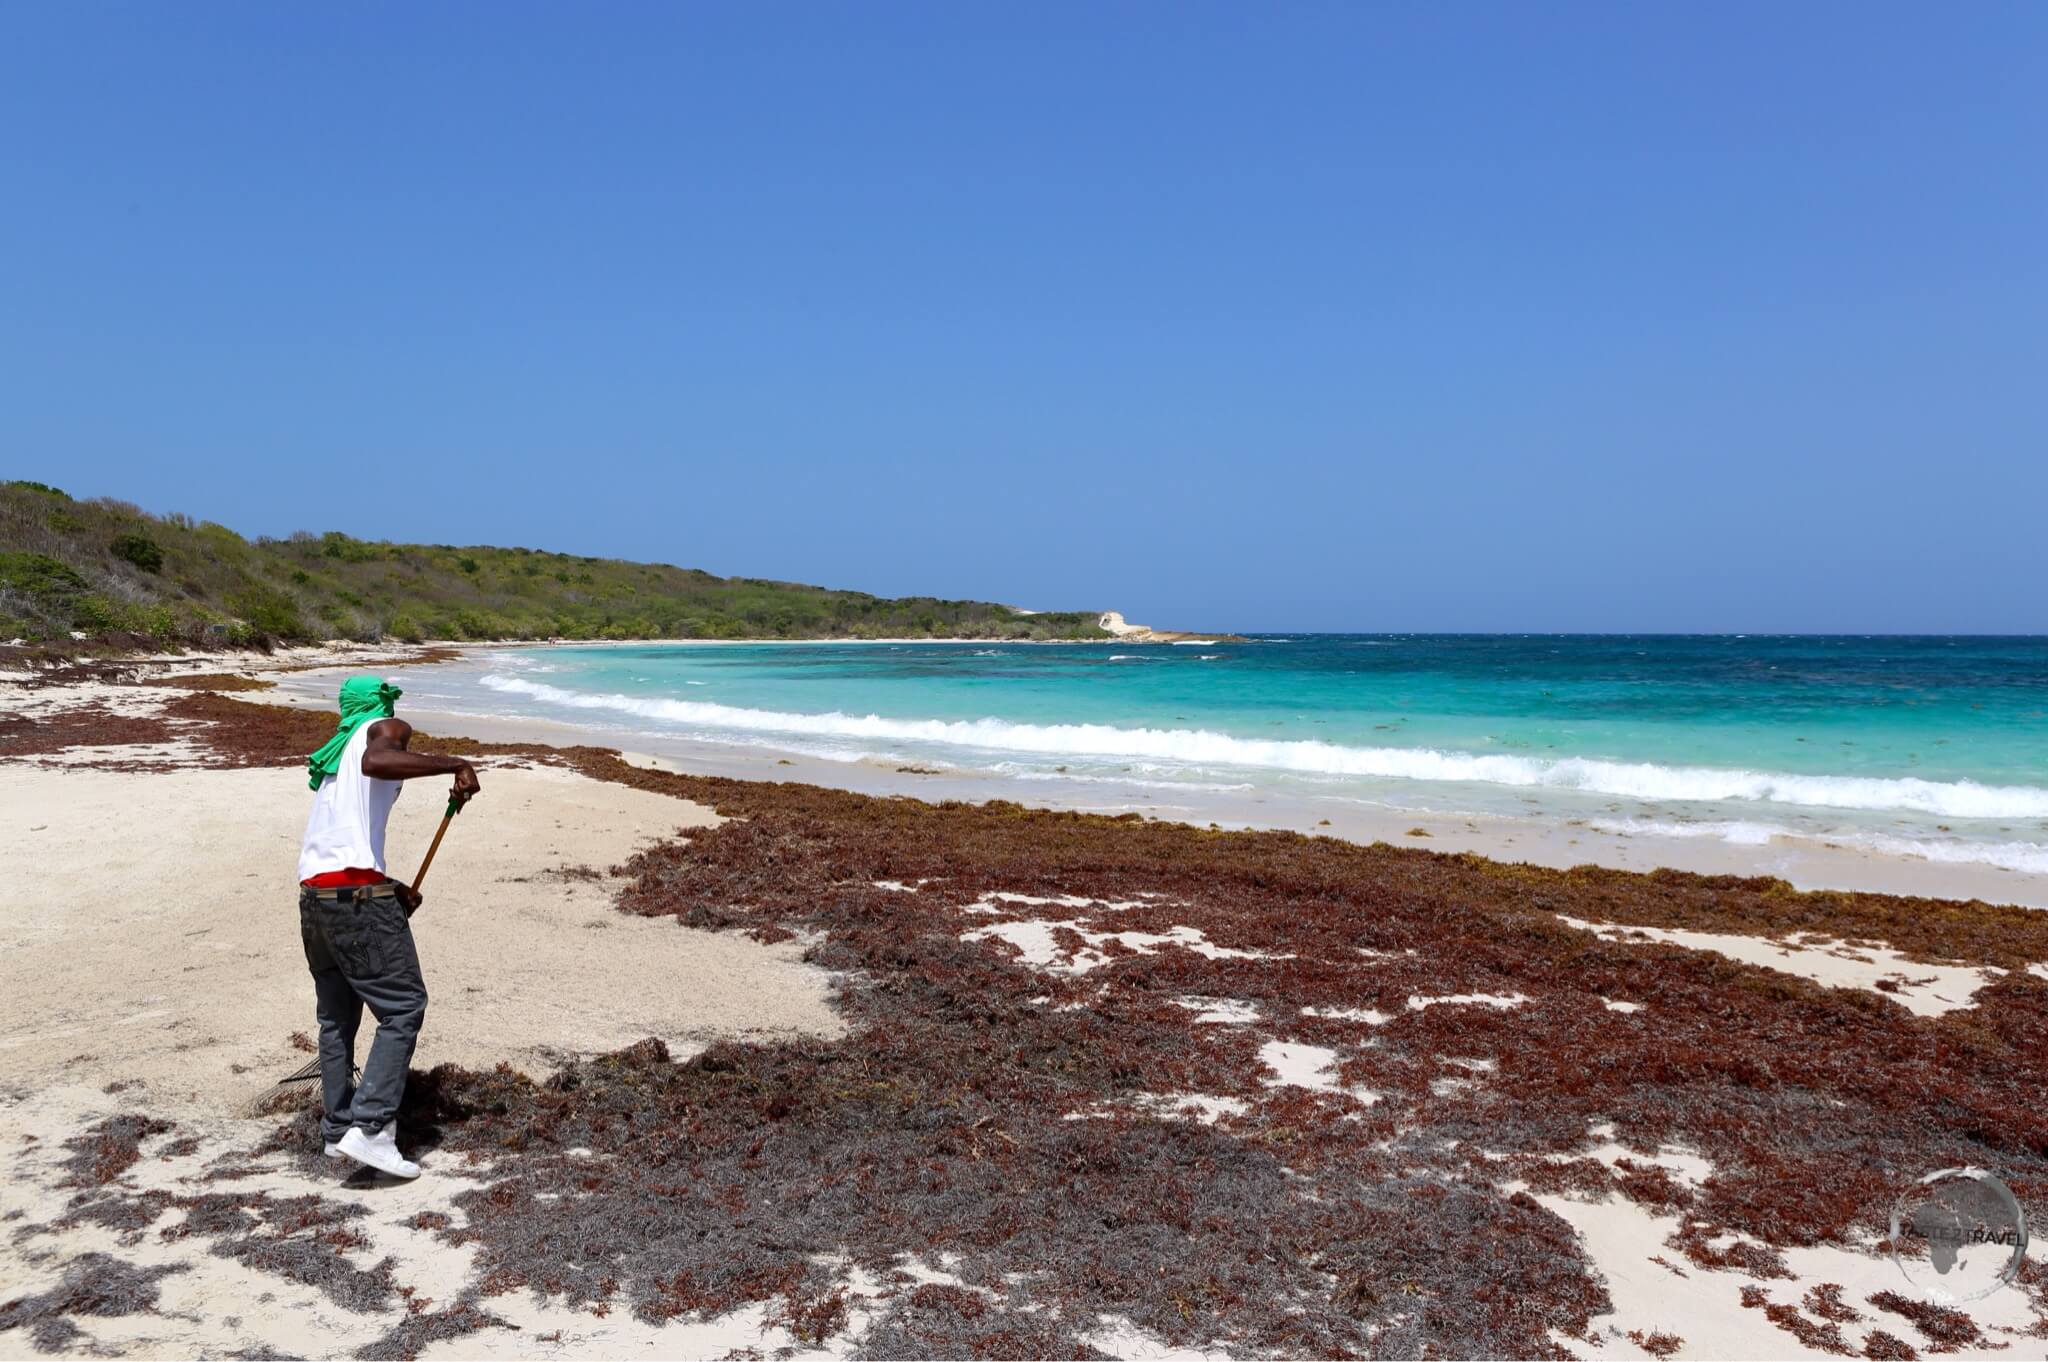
(454,807)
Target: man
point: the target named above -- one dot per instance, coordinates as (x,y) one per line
(353,921)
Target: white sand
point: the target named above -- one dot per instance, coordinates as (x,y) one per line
(1416,1002)
(1925,990)
(1704,1307)
(1314,1067)
(1119,1337)
(1221,1011)
(137,906)
(1368,1016)
(1657,1289)
(1296,1065)
(1206,1108)
(1037,946)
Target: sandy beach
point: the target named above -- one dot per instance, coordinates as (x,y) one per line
(721,1067)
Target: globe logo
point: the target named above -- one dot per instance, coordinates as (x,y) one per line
(1958,1235)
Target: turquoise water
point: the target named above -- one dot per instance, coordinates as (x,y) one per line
(1940,742)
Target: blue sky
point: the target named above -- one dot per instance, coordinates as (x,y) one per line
(1570,317)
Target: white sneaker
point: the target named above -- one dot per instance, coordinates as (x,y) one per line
(379,1151)
(332,1150)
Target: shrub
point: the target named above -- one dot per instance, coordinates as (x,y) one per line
(158,621)
(335,544)
(483,624)
(27,486)
(140,550)
(42,578)
(96,614)
(269,611)
(222,542)
(407,628)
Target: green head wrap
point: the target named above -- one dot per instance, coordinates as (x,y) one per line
(364,699)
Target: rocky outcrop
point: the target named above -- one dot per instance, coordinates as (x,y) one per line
(1114,622)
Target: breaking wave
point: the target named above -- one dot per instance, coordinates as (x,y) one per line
(1634,780)
(2022,856)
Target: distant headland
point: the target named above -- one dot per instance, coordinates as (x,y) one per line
(108,573)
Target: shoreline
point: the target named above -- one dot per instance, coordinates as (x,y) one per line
(1804,863)
(1003,1031)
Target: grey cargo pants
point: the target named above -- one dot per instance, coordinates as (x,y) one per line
(359,949)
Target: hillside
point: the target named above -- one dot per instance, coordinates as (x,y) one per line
(105,567)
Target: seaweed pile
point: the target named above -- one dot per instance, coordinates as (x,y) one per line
(77,726)
(309,1240)
(94,1284)
(1250,1090)
(1012,1119)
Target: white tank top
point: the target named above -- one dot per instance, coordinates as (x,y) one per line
(345,831)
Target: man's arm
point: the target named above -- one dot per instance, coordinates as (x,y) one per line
(385,758)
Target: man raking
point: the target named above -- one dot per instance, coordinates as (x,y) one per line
(353,921)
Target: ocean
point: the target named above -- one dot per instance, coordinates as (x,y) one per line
(1934,747)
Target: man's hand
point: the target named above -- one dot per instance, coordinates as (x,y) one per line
(410,898)
(466,785)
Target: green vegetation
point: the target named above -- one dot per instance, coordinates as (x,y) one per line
(105,567)
(140,550)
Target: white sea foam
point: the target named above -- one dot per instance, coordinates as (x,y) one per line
(1015,772)
(1635,780)
(2021,856)
(1735,834)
